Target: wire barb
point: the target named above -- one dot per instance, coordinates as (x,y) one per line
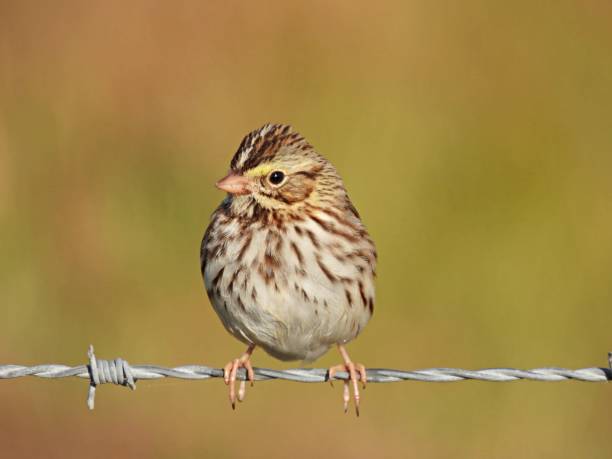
(116,371)
(121,373)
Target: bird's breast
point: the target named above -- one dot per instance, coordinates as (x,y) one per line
(302,285)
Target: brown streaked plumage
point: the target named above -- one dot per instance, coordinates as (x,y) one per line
(287,263)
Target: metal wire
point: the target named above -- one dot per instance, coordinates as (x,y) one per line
(120,372)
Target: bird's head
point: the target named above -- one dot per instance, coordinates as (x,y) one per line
(278,169)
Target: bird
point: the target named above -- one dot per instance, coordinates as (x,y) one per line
(287,263)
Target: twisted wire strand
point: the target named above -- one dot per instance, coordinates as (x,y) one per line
(120,372)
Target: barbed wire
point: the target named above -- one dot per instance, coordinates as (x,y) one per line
(120,372)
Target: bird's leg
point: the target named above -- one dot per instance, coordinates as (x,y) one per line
(352,369)
(229,375)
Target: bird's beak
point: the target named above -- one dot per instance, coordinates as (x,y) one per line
(234,184)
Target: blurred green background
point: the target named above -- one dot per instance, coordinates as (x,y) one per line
(474,138)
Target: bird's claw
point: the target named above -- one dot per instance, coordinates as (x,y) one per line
(229,376)
(353,371)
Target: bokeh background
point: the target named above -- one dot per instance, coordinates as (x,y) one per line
(474,137)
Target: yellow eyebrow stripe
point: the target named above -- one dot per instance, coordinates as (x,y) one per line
(265,169)
(259,171)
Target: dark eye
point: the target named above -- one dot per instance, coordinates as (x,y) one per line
(276,177)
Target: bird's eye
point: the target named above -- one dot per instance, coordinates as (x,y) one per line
(276,177)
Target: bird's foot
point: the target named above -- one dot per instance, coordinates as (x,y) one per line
(353,370)
(229,375)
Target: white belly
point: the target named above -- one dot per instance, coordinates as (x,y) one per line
(294,301)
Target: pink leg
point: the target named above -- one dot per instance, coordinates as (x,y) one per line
(229,375)
(352,369)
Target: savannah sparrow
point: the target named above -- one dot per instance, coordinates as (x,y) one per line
(287,263)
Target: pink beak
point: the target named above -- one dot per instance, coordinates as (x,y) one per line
(234,184)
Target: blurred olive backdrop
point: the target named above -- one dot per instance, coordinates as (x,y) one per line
(474,137)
